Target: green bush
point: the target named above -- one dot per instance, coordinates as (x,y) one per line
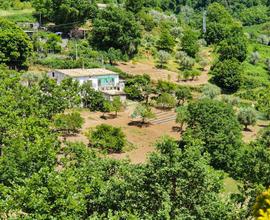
(166,100)
(254,15)
(228,75)
(108,138)
(68,123)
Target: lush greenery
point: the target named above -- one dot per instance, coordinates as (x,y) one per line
(44,176)
(108,138)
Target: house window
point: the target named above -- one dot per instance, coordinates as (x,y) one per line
(106,81)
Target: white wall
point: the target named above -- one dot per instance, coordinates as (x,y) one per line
(82,79)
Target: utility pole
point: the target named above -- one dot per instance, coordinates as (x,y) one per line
(204,21)
(40,20)
(76,46)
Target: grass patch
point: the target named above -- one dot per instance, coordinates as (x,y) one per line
(230,186)
(24,15)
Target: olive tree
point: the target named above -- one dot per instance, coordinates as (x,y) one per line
(247,116)
(144,112)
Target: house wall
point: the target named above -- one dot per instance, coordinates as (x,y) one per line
(96,81)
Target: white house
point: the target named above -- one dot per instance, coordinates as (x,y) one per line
(103,80)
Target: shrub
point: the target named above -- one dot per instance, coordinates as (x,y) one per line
(189,43)
(163,58)
(108,138)
(166,100)
(231,100)
(143,111)
(94,100)
(254,15)
(254,58)
(68,123)
(185,62)
(181,116)
(228,75)
(210,91)
(182,94)
(166,41)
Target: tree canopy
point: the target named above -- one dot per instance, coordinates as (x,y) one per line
(15,46)
(116,28)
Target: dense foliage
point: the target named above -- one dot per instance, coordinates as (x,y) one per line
(108,138)
(215,125)
(115,28)
(15,46)
(44,176)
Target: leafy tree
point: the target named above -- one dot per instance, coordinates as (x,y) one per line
(218,13)
(219,23)
(228,75)
(115,28)
(134,6)
(113,55)
(165,87)
(65,12)
(106,108)
(116,105)
(210,91)
(68,123)
(234,47)
(247,116)
(181,116)
(92,99)
(71,92)
(183,94)
(189,43)
(53,43)
(165,42)
(263,102)
(166,100)
(185,62)
(163,58)
(171,170)
(253,164)
(51,97)
(108,138)
(215,124)
(138,88)
(254,15)
(15,46)
(143,111)
(216,32)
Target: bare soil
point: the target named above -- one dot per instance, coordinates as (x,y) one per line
(252,132)
(148,67)
(142,138)
(162,74)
